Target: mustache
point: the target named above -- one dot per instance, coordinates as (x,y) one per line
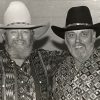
(19,41)
(78,44)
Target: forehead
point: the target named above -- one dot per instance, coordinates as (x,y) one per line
(18,30)
(79,31)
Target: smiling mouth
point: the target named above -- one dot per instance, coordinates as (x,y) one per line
(78,47)
(19,42)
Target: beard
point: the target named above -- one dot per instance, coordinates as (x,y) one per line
(19,51)
(82,53)
(79,54)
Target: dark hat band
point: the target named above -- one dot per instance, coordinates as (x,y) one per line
(77,24)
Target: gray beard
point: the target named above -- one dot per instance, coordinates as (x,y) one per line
(18,53)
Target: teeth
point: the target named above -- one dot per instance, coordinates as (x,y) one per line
(78,46)
(19,42)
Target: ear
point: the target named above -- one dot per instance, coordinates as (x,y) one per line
(2,34)
(93,36)
(39,32)
(66,41)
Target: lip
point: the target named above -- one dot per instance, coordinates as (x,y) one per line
(19,42)
(78,47)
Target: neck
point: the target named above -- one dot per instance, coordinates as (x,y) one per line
(19,61)
(77,64)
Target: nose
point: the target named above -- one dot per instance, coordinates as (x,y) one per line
(20,36)
(77,38)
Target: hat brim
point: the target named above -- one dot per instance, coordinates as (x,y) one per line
(61,31)
(21,26)
(39,30)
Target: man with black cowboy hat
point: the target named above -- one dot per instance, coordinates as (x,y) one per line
(23,71)
(78,77)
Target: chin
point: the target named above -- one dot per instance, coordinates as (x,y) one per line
(21,48)
(20,54)
(79,55)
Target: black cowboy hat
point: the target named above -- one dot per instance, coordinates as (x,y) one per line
(77,18)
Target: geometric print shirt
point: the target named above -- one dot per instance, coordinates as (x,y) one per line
(84,84)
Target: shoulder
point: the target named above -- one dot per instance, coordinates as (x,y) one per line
(98,49)
(53,56)
(51,59)
(96,52)
(2,52)
(49,52)
(54,52)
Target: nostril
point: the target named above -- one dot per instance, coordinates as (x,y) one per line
(77,39)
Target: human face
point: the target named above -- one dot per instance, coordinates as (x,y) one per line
(19,40)
(80,43)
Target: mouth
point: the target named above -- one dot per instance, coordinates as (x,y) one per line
(19,42)
(78,47)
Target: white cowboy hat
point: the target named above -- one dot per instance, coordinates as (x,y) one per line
(17,16)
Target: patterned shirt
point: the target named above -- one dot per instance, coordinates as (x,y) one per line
(30,81)
(84,84)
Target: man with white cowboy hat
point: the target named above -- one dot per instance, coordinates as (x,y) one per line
(78,77)
(23,71)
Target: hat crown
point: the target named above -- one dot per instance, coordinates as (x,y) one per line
(80,14)
(77,18)
(17,12)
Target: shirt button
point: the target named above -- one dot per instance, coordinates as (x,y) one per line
(22,82)
(3,85)
(23,96)
(12,61)
(21,69)
(40,82)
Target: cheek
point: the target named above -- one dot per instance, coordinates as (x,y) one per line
(87,42)
(28,39)
(71,43)
(9,38)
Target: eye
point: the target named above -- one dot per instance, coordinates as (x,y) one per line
(12,31)
(70,34)
(84,33)
(26,31)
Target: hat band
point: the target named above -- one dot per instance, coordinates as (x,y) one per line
(77,24)
(18,23)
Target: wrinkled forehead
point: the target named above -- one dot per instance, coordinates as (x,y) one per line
(79,31)
(18,30)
